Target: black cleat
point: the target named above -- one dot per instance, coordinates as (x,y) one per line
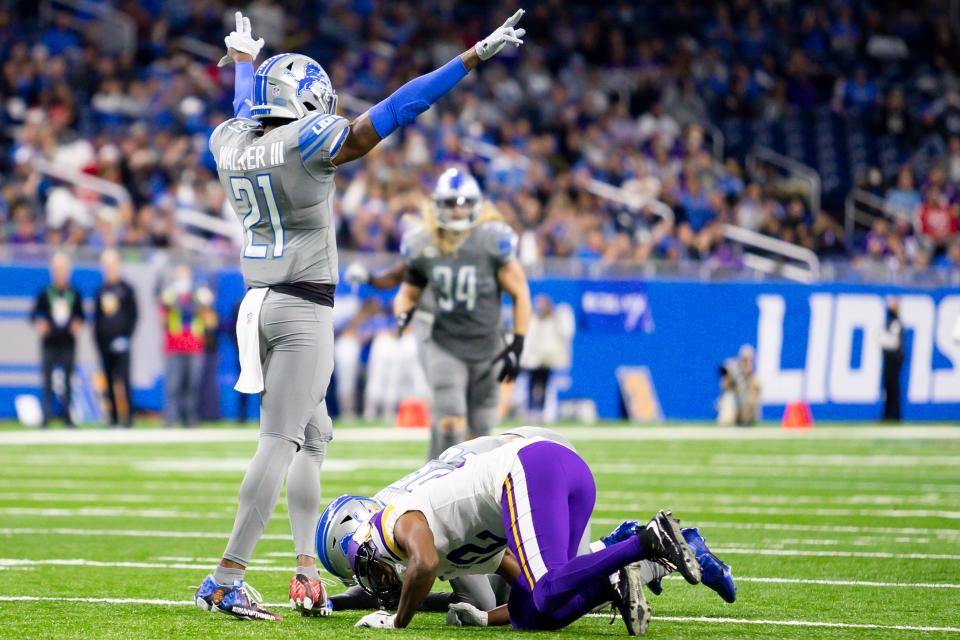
(630,601)
(669,548)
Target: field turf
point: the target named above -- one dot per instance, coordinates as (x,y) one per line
(840,532)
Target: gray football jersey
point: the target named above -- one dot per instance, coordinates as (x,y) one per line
(464,285)
(281,187)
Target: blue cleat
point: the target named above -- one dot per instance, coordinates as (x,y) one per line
(239,600)
(715,573)
(624,531)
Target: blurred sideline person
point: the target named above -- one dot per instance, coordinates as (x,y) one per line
(739,402)
(421,325)
(465,255)
(891,341)
(57,317)
(276,160)
(114,321)
(185,311)
(548,347)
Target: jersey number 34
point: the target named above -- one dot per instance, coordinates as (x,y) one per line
(245,195)
(455,287)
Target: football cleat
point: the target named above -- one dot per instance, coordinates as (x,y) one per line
(624,531)
(669,547)
(630,601)
(239,600)
(716,574)
(655,586)
(309,597)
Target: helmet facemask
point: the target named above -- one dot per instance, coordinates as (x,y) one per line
(457,213)
(375,575)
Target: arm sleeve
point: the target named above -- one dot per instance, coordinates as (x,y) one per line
(404,105)
(242,89)
(412,275)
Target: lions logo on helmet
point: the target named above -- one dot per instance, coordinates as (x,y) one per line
(338,522)
(457,197)
(291,86)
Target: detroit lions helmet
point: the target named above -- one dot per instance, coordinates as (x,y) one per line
(457,197)
(337,524)
(375,558)
(291,86)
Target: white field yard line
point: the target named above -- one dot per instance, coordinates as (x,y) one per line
(813,528)
(387,434)
(205,497)
(680,509)
(80,562)
(209,535)
(931,498)
(129,533)
(816,553)
(835,460)
(682,619)
(116,512)
(797,623)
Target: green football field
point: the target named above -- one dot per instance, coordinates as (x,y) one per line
(839,532)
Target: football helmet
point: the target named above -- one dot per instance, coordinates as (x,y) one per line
(292,86)
(457,197)
(337,524)
(375,560)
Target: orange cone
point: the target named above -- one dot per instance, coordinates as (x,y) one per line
(797,416)
(413,413)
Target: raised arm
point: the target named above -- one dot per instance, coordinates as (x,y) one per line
(404,105)
(242,50)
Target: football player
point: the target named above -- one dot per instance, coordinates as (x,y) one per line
(276,160)
(533,497)
(465,256)
(470,602)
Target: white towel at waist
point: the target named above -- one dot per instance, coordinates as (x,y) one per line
(248,342)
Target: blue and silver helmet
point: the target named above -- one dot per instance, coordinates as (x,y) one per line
(338,522)
(457,197)
(291,86)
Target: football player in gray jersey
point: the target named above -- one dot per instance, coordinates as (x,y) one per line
(465,256)
(276,160)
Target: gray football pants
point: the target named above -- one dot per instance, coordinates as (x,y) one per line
(460,388)
(296,351)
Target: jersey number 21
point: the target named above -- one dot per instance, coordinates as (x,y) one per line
(244,191)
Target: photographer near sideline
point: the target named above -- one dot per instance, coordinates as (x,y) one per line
(548,348)
(739,401)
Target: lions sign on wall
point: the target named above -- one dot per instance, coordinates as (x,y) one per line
(817,343)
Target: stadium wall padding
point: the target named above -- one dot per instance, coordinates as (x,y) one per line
(817,343)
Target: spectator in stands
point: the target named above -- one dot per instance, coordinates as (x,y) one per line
(904,197)
(57,317)
(115,319)
(938,219)
(186,311)
(548,348)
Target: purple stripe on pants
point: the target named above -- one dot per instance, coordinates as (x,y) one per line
(555,586)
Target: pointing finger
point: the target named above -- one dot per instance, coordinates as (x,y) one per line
(239,18)
(246,26)
(514,19)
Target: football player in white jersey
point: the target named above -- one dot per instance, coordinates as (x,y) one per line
(276,159)
(469,604)
(519,510)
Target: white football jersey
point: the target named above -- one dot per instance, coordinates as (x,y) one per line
(462,507)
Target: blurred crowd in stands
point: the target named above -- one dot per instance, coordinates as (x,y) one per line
(618,92)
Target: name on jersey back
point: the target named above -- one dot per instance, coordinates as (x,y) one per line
(259,156)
